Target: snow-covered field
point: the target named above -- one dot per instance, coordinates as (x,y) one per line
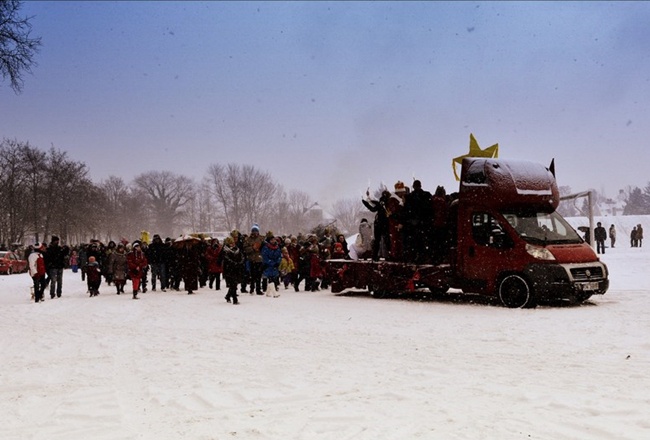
(325,366)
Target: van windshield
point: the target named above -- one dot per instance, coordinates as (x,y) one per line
(542,228)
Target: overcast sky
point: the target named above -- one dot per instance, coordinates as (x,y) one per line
(333,97)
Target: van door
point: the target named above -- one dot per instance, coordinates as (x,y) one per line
(485,250)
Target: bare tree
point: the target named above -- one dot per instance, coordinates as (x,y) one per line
(13,224)
(17,47)
(201,215)
(167,194)
(35,162)
(298,204)
(124,210)
(348,213)
(244,194)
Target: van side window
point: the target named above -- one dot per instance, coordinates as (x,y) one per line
(487,231)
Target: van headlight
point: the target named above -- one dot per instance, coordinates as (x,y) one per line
(541,253)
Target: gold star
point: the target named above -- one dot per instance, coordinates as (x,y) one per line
(475,151)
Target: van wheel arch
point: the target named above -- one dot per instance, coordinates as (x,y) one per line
(515,292)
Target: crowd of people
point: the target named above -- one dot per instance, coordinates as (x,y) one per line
(601,235)
(410,225)
(243,263)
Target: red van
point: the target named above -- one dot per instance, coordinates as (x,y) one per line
(507,241)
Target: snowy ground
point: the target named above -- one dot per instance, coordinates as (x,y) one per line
(324,366)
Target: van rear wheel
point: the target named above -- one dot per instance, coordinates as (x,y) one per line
(514,292)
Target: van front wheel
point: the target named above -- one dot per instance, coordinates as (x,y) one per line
(514,292)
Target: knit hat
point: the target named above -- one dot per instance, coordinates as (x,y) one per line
(255,228)
(399,187)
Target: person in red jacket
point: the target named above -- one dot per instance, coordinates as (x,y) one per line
(137,262)
(215,269)
(37,271)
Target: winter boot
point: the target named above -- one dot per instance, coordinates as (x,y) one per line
(135,294)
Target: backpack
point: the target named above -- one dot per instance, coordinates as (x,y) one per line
(40,266)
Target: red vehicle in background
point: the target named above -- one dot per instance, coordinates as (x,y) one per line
(507,241)
(10,263)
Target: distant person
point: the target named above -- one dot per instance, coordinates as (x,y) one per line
(639,234)
(55,259)
(363,242)
(271,259)
(156,258)
(600,235)
(612,236)
(253,252)
(212,256)
(74,261)
(634,241)
(37,271)
(136,262)
(440,230)
(232,263)
(395,207)
(381,240)
(93,276)
(418,216)
(119,267)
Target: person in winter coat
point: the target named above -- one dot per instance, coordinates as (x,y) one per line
(340,248)
(418,215)
(136,261)
(55,259)
(600,235)
(156,258)
(304,267)
(201,247)
(74,261)
(83,259)
(107,271)
(363,243)
(232,262)
(286,267)
(212,256)
(37,271)
(395,211)
(612,236)
(253,251)
(439,228)
(380,228)
(639,235)
(294,254)
(93,276)
(315,268)
(189,262)
(119,267)
(271,259)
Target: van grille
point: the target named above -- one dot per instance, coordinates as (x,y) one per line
(587,273)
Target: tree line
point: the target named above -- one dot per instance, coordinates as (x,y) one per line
(47,192)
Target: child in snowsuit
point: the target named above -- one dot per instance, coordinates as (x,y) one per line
(93,276)
(271,259)
(286,267)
